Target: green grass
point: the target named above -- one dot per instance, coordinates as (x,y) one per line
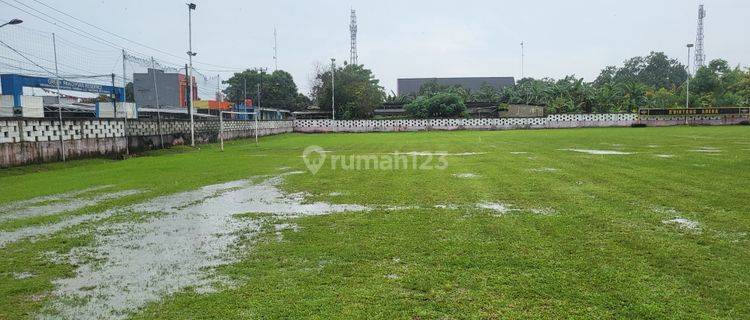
(603,253)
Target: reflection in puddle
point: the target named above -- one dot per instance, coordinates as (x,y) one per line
(62,204)
(133,263)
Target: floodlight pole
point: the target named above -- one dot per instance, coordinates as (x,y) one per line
(191,54)
(687,99)
(687,95)
(333,88)
(59,103)
(11,22)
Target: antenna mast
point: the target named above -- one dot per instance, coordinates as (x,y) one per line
(700,54)
(353,30)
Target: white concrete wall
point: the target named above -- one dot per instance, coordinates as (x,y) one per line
(552,121)
(32,130)
(6,106)
(32,107)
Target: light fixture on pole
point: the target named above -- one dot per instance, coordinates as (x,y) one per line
(687,98)
(11,22)
(191,54)
(333,88)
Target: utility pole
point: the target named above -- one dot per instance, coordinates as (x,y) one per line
(189,102)
(522,62)
(59,103)
(114,96)
(158,107)
(125,99)
(333,88)
(191,54)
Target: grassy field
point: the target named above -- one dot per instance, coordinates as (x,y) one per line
(659,230)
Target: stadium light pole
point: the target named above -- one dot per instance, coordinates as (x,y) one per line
(11,22)
(191,54)
(687,98)
(333,87)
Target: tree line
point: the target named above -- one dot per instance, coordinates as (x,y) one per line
(652,81)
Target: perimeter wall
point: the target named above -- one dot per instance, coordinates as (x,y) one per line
(27,140)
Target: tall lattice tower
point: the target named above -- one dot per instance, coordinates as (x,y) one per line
(353,30)
(700,53)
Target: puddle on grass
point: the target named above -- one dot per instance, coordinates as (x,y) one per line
(446,206)
(665,156)
(684,224)
(63,204)
(43,200)
(22,275)
(466,175)
(132,263)
(599,152)
(519,153)
(499,208)
(707,150)
(429,154)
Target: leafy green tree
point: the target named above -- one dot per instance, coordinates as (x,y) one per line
(663,98)
(440,105)
(607,76)
(655,70)
(278,89)
(719,85)
(634,96)
(357,91)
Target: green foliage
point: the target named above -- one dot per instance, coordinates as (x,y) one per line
(439,105)
(129,93)
(278,89)
(357,91)
(655,70)
(718,85)
(654,81)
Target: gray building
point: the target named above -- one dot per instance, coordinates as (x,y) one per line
(411,85)
(170,86)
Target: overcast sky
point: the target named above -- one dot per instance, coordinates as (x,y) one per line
(416,38)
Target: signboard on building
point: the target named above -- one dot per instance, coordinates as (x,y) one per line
(695,112)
